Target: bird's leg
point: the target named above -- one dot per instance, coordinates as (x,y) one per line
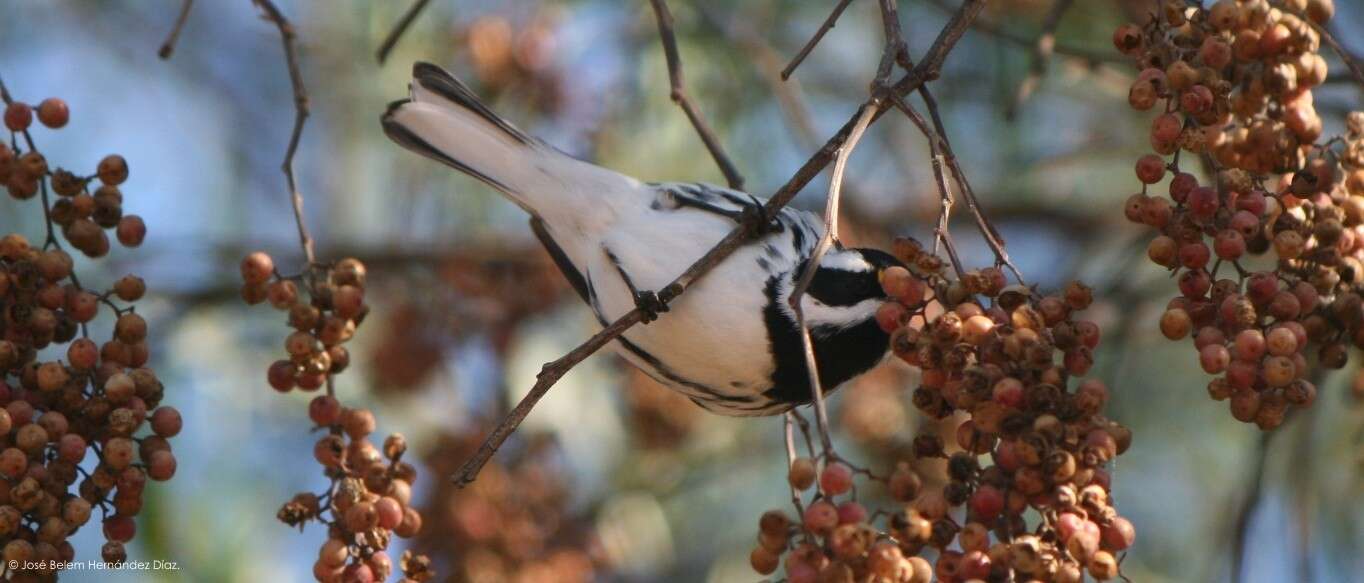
(647,302)
(756,218)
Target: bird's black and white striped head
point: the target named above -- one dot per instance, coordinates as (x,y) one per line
(846,289)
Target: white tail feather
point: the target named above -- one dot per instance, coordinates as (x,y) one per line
(444,121)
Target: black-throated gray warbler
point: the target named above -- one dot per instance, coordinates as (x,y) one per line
(731,342)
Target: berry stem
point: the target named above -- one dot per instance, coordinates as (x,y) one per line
(301,112)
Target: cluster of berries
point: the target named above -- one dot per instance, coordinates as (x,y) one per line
(82,216)
(101,399)
(839,541)
(1268,249)
(369,498)
(1003,358)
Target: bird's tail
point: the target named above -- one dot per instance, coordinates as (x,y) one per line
(443,120)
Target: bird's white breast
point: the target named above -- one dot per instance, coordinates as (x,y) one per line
(714,335)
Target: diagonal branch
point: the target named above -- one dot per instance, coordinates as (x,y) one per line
(814,40)
(679,96)
(399,29)
(168,46)
(925,71)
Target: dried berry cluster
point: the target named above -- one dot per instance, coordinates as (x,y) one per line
(1048,446)
(1268,251)
(102,397)
(369,498)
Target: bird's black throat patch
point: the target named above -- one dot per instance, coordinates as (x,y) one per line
(840,355)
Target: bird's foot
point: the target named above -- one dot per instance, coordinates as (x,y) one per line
(649,305)
(758,221)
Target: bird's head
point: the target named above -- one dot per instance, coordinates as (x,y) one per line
(846,289)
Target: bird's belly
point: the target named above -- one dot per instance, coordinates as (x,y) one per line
(728,372)
(712,344)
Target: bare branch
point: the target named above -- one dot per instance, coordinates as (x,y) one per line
(941,235)
(1039,57)
(814,40)
(895,49)
(679,96)
(399,29)
(287,37)
(987,229)
(740,235)
(864,119)
(168,46)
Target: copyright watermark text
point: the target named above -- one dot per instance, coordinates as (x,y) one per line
(157,565)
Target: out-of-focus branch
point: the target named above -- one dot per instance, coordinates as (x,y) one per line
(399,29)
(1039,56)
(288,37)
(1090,56)
(925,71)
(1246,510)
(814,40)
(1351,61)
(168,46)
(679,96)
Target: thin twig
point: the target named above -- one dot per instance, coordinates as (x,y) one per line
(941,235)
(925,71)
(399,29)
(895,49)
(679,96)
(1039,57)
(864,119)
(288,36)
(987,230)
(168,47)
(814,40)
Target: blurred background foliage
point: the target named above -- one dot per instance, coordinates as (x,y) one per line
(612,478)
